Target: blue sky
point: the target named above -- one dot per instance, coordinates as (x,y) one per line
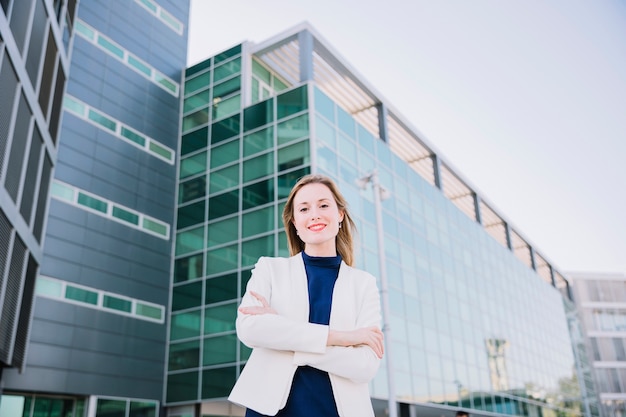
(526,99)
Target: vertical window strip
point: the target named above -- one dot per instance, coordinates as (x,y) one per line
(69,292)
(109,209)
(130,60)
(163,15)
(119,129)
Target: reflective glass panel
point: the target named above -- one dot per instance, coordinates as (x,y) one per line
(221,288)
(185,325)
(257,167)
(220,318)
(291,102)
(221,260)
(219,349)
(224,204)
(188,268)
(223,231)
(258,221)
(187,296)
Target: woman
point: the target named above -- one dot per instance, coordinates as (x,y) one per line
(312,321)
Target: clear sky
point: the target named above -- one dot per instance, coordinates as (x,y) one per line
(525,99)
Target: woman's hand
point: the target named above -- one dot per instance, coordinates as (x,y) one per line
(369,336)
(264,308)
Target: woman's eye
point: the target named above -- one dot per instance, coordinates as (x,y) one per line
(302,210)
(324,206)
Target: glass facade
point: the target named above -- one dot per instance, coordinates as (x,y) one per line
(601,301)
(236,168)
(475,323)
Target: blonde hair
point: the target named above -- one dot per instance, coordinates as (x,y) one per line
(343,241)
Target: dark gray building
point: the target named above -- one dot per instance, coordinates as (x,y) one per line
(98,338)
(34,64)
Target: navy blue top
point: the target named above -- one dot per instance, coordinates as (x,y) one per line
(311,393)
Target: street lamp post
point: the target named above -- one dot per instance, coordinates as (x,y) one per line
(381,194)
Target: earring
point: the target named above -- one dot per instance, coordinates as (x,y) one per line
(340,224)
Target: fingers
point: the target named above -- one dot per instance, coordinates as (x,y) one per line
(260,298)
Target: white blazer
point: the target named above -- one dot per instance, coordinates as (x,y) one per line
(282,342)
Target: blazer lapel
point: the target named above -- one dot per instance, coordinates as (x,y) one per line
(300,301)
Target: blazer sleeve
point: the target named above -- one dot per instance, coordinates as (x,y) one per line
(275,331)
(357,363)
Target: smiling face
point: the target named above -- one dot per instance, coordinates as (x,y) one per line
(316,218)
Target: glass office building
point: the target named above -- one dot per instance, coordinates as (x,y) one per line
(601,303)
(479,318)
(98,334)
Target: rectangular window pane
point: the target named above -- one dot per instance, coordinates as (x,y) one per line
(62,191)
(111,408)
(161,150)
(73,105)
(82,295)
(142,409)
(191,214)
(150,5)
(227,87)
(170,20)
(87,32)
(225,107)
(220,349)
(195,119)
(125,215)
(190,241)
(102,120)
(185,325)
(258,115)
(224,204)
(221,288)
(221,260)
(258,167)
(196,101)
(92,202)
(224,154)
(111,47)
(192,189)
(155,226)
(258,193)
(223,231)
(133,136)
(253,249)
(137,64)
(188,268)
(194,141)
(184,355)
(193,165)
(197,83)
(293,129)
(226,70)
(258,141)
(150,311)
(224,178)
(291,102)
(165,82)
(116,303)
(49,287)
(220,318)
(225,129)
(258,221)
(294,155)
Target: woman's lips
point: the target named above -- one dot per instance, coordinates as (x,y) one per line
(316,227)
